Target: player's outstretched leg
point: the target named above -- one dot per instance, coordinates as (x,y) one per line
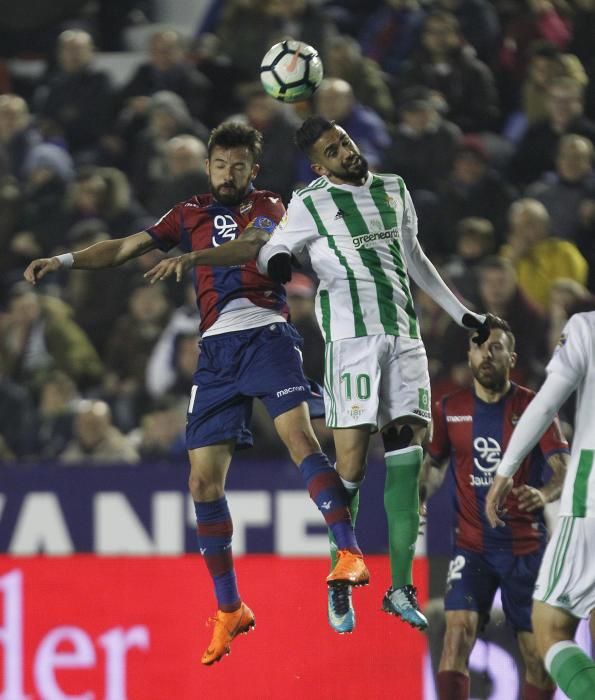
(233,617)
(326,490)
(401,503)
(340,611)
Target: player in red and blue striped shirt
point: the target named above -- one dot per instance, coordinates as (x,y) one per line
(248,350)
(471,430)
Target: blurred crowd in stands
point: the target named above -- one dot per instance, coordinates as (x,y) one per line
(487,110)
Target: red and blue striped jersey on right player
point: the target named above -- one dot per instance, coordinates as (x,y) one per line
(202,222)
(474,434)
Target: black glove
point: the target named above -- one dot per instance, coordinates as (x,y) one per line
(483,330)
(279,268)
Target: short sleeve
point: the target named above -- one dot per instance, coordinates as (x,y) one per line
(570,357)
(271,207)
(439,447)
(292,234)
(167,231)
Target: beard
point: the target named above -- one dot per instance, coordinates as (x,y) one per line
(490,377)
(354,171)
(228,194)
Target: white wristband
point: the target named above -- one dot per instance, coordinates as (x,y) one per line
(66,259)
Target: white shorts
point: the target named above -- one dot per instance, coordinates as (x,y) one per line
(567,575)
(375,379)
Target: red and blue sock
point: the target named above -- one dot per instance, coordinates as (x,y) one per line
(215,528)
(327,491)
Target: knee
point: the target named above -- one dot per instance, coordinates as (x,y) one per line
(301,443)
(351,468)
(398,437)
(458,642)
(203,488)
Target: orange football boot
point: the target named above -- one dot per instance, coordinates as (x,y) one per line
(350,568)
(227,626)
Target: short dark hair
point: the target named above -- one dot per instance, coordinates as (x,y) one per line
(310,131)
(236,135)
(498,323)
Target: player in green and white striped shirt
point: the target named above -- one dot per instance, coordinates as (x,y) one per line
(565,587)
(360,231)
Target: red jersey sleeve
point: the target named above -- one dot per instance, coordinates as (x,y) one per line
(439,447)
(167,232)
(553,440)
(270,206)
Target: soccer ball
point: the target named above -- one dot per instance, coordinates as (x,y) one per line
(290,71)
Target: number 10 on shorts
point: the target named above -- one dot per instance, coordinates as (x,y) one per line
(358,386)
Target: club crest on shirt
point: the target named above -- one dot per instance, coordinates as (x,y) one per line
(391,201)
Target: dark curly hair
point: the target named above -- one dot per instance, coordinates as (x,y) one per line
(310,131)
(236,135)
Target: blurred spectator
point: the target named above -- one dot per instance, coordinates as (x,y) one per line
(113,18)
(76,100)
(479,24)
(433,323)
(180,367)
(369,84)
(301,291)
(391,33)
(161,434)
(48,171)
(473,189)
(529,21)
(424,143)
(582,46)
(475,241)
(209,56)
(11,204)
(271,21)
(168,116)
(537,150)
(184,174)
(162,369)
(96,440)
(546,63)
(277,124)
(17,133)
(128,348)
(538,257)
(501,295)
(17,419)
(442,63)
(568,194)
(334,99)
(168,70)
(104,193)
(39,335)
(95,313)
(55,414)
(567,297)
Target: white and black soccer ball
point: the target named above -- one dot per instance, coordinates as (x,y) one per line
(291,70)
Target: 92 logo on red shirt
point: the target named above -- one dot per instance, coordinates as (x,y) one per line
(225,229)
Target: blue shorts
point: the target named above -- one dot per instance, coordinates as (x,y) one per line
(473,579)
(233,369)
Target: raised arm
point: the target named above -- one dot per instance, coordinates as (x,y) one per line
(236,252)
(97,256)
